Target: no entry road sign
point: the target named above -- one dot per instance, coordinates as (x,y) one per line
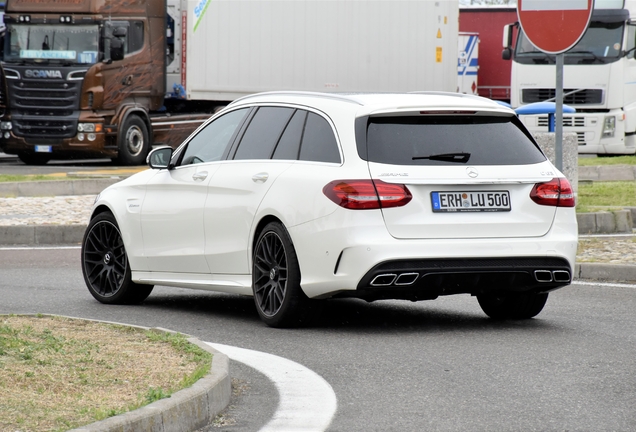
(554,26)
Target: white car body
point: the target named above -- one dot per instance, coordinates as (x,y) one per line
(196,225)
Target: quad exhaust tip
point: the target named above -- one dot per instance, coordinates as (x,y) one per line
(552,276)
(387,279)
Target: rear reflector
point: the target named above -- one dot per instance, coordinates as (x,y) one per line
(367,194)
(557,192)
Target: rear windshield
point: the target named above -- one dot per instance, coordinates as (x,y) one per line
(446,140)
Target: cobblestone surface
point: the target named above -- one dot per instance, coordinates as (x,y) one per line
(67,210)
(58,210)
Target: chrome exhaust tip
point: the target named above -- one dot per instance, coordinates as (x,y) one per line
(384,279)
(561,276)
(406,279)
(543,275)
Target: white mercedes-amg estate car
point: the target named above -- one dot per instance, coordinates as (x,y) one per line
(294,198)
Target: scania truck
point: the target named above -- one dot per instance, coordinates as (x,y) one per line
(599,80)
(111,78)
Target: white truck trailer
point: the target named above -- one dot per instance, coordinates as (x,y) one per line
(237,47)
(599,80)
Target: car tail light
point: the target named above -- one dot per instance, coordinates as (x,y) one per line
(367,194)
(557,192)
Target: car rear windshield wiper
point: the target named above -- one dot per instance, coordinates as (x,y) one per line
(447,157)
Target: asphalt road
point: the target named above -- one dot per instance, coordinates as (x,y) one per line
(437,365)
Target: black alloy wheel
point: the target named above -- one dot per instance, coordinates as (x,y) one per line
(105,264)
(279,299)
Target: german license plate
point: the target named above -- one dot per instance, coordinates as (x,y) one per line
(43,149)
(487,201)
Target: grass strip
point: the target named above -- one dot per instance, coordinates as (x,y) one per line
(611,160)
(605,196)
(57,373)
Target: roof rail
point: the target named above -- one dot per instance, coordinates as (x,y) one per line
(335,96)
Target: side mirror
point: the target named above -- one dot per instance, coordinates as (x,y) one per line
(116,49)
(159,158)
(119,32)
(506,54)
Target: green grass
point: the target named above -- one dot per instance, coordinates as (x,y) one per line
(610,160)
(5,178)
(57,373)
(599,196)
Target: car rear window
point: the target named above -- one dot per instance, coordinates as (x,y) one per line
(446,140)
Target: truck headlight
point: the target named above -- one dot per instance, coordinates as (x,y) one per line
(609,127)
(6,125)
(89,127)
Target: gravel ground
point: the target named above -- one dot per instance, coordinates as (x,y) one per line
(68,210)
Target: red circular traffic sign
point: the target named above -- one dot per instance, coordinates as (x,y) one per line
(554,26)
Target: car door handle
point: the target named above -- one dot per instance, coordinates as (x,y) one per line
(260,177)
(200,175)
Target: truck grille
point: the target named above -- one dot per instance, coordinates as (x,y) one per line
(582,97)
(567,121)
(45,108)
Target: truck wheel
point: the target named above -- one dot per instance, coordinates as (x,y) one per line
(34,158)
(134,143)
(512,306)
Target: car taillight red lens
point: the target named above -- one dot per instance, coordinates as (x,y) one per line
(557,192)
(367,194)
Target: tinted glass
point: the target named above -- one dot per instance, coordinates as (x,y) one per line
(486,140)
(263,132)
(319,143)
(212,141)
(289,144)
(601,43)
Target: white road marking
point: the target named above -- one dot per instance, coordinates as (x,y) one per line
(306,401)
(603,284)
(16,248)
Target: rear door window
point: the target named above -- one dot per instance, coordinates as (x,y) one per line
(289,144)
(446,140)
(263,133)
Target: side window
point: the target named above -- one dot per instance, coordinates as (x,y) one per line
(319,143)
(110,28)
(263,132)
(631,40)
(135,36)
(212,141)
(289,144)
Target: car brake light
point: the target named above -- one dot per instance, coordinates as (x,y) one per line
(557,192)
(367,194)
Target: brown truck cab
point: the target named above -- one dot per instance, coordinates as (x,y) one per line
(86,78)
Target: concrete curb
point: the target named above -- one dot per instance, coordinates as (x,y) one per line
(603,272)
(618,221)
(186,410)
(607,173)
(91,186)
(37,235)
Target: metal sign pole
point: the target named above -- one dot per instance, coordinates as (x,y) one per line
(558,130)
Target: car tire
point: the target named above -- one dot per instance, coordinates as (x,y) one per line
(512,306)
(34,158)
(279,299)
(105,264)
(134,142)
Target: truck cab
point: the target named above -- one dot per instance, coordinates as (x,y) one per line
(77,76)
(599,80)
